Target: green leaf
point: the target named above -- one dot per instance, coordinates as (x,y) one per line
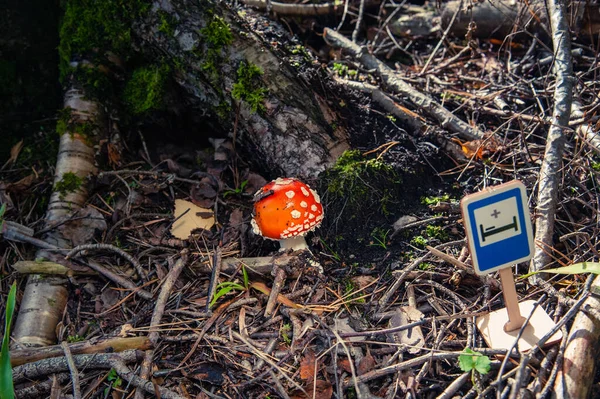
(466,361)
(225,288)
(7,390)
(245,277)
(482,364)
(576,268)
(471,360)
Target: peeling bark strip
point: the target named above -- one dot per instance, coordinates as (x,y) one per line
(45,297)
(446,118)
(550,170)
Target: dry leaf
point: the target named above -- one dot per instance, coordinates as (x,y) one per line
(14,153)
(345,365)
(307,366)
(366,364)
(188,220)
(413,337)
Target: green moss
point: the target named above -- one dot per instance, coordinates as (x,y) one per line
(249,86)
(215,37)
(96,26)
(223,110)
(66,124)
(64,120)
(145,89)
(96,83)
(167,22)
(69,183)
(354,177)
(217,34)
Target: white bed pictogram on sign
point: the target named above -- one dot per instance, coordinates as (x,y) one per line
(497,222)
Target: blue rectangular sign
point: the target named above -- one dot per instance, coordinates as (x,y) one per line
(498,227)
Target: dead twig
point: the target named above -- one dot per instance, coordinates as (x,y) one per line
(115,344)
(73,370)
(159,310)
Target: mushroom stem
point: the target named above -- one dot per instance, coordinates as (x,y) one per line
(294,243)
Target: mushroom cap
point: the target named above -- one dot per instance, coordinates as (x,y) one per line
(286,208)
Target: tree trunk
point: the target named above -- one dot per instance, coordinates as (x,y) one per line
(45,297)
(291,128)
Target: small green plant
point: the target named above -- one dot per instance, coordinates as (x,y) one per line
(426,266)
(75,338)
(340,69)
(333,253)
(350,294)
(249,87)
(7,390)
(434,200)
(69,183)
(419,241)
(438,232)
(471,361)
(596,166)
(114,380)
(236,191)
(285,331)
(227,286)
(379,236)
(391,118)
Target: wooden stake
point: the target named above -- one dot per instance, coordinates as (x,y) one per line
(515,319)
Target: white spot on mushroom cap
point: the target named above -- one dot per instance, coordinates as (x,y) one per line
(255,227)
(316,196)
(282,181)
(290,194)
(311,216)
(305,191)
(303,204)
(313,208)
(296,214)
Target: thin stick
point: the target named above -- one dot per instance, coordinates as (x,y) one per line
(73,370)
(159,310)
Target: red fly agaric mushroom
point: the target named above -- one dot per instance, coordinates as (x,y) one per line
(285,210)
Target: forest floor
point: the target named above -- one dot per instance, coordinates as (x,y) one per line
(393,310)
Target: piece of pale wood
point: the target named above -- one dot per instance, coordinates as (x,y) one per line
(491,327)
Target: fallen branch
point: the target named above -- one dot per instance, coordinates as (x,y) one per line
(19,357)
(41,368)
(446,118)
(551,166)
